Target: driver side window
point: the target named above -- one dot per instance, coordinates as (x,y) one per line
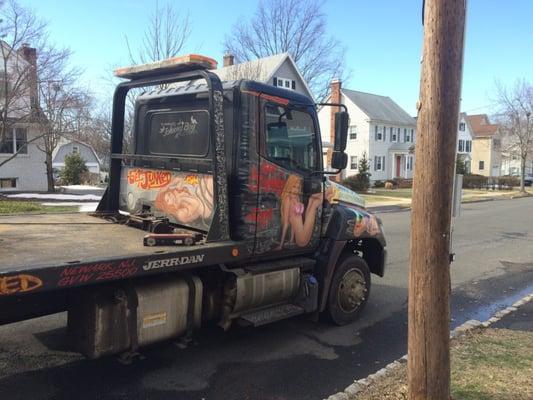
(290,139)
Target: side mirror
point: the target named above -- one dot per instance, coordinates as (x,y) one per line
(341,130)
(339,160)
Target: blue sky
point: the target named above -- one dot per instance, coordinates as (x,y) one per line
(383,40)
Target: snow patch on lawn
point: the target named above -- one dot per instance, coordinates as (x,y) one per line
(81,187)
(83,207)
(55,196)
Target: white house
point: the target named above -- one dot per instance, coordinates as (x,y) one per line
(379,129)
(27,171)
(87,153)
(277,70)
(464,142)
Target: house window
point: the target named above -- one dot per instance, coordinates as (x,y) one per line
(285,83)
(15,141)
(412,135)
(4,86)
(399,133)
(353,133)
(496,142)
(409,163)
(481,165)
(76,149)
(407,135)
(468,146)
(462,126)
(21,140)
(353,162)
(379,163)
(393,136)
(8,183)
(378,135)
(461,145)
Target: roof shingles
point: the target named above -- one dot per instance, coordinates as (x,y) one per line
(379,108)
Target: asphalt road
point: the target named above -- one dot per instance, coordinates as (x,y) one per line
(293,359)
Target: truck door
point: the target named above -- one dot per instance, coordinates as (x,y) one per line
(290,194)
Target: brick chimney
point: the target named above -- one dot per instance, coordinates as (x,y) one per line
(335,97)
(30,55)
(228,59)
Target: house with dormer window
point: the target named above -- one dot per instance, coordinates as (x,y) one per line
(278,70)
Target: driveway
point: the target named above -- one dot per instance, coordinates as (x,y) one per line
(293,359)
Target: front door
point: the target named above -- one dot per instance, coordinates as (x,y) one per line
(398,166)
(290,194)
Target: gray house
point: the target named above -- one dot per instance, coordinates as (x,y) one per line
(26,171)
(86,152)
(277,70)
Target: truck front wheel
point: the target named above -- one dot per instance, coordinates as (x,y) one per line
(349,291)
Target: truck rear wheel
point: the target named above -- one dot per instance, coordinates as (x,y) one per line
(349,291)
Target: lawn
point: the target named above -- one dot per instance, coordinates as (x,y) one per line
(403,193)
(490,364)
(21,207)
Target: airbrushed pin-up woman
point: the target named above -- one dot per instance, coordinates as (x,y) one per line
(294,215)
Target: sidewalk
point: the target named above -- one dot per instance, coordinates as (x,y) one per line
(399,199)
(520,320)
(491,360)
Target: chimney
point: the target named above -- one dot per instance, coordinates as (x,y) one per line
(30,55)
(335,97)
(228,59)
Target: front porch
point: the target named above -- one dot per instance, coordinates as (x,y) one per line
(400,164)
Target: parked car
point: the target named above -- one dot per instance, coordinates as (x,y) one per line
(528,180)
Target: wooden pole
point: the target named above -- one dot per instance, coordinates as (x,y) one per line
(429,276)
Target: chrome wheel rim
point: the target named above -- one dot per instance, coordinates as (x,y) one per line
(352,290)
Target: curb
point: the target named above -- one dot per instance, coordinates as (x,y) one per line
(469,325)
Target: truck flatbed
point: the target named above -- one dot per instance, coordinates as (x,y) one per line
(48,251)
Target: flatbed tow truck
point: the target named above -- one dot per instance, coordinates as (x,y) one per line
(235,165)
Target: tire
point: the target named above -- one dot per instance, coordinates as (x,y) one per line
(349,291)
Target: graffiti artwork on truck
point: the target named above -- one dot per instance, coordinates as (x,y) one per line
(184,198)
(295,216)
(189,199)
(363,224)
(19,284)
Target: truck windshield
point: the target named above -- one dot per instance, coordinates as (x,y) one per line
(291,138)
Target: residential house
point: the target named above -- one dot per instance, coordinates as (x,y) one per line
(486,146)
(277,70)
(464,142)
(379,129)
(26,171)
(87,153)
(511,161)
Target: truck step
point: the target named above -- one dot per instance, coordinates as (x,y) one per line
(271,314)
(304,263)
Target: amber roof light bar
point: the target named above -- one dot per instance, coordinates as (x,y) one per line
(170,65)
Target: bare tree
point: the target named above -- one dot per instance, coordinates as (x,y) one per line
(165,36)
(297,27)
(516,117)
(39,88)
(60,105)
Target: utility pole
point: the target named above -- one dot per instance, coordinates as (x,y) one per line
(429,275)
